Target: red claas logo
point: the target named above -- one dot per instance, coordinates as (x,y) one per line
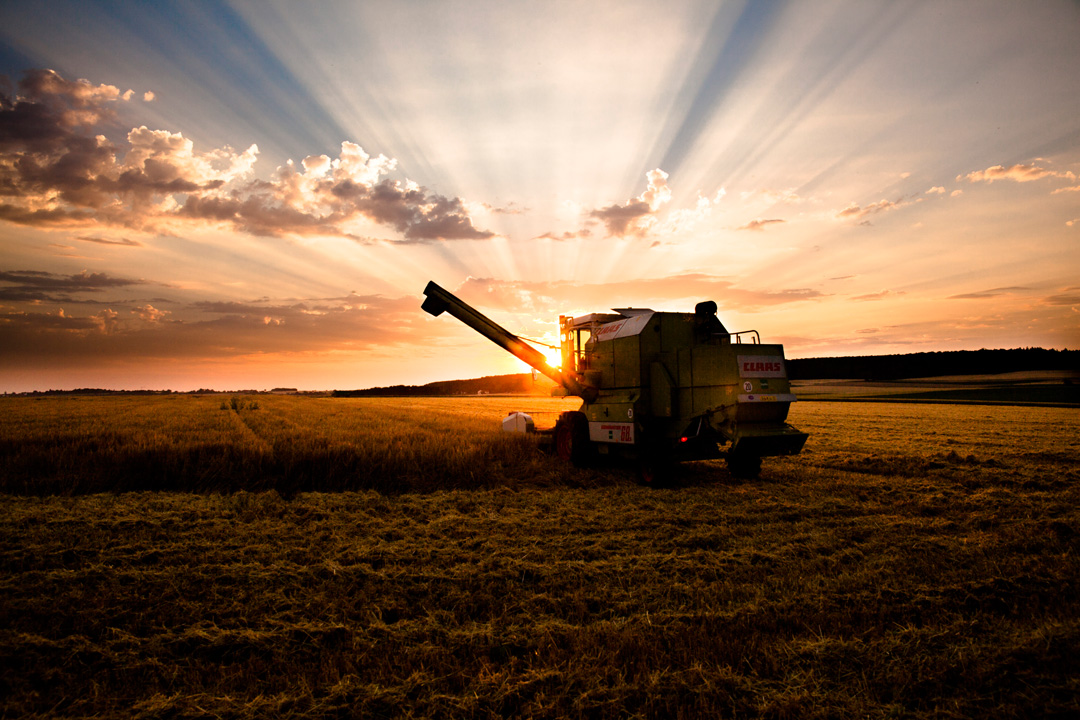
(761,366)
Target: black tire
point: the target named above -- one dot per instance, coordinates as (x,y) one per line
(655,471)
(572,442)
(743,466)
(656,467)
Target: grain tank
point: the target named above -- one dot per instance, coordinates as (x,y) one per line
(660,387)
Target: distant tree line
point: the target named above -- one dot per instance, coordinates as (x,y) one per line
(865,367)
(106,391)
(97,391)
(933,364)
(857,367)
(518,384)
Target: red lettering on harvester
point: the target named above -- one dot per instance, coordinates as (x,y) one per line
(761,367)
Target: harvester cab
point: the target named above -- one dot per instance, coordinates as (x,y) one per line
(660,387)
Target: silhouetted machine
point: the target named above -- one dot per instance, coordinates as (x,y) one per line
(658,386)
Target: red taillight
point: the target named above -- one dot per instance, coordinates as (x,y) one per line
(683,439)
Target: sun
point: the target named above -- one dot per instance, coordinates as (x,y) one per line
(553,356)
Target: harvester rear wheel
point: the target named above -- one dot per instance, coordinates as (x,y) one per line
(572,438)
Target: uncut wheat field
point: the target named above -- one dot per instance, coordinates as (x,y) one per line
(298,557)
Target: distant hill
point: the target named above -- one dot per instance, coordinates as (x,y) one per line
(518,384)
(866,367)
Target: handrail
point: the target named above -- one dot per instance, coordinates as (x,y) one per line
(738,336)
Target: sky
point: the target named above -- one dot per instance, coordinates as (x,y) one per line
(254,194)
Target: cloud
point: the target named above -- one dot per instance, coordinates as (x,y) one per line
(139,330)
(1016,173)
(53,172)
(878,295)
(759,224)
(643,215)
(657,193)
(854,211)
(987,294)
(35,285)
(159,161)
(75,102)
(936,190)
(580,234)
(510,209)
(107,321)
(637,216)
(632,218)
(1067,298)
(125,242)
(1074,188)
(328,194)
(149,313)
(46,322)
(682,221)
(370,324)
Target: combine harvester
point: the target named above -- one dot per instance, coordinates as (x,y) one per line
(658,387)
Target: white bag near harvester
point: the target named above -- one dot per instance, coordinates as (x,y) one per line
(518,422)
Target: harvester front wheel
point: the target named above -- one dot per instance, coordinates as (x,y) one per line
(744,466)
(572,438)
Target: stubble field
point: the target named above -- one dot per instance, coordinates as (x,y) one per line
(176,556)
